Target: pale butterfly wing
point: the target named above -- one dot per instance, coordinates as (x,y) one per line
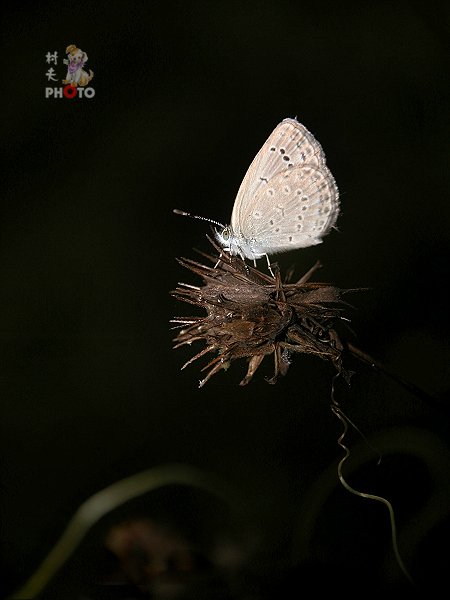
(290,144)
(293,210)
(288,198)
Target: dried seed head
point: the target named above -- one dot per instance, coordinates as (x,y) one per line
(251,315)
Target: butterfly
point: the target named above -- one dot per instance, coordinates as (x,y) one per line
(288,198)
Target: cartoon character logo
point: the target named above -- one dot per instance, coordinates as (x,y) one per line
(76,61)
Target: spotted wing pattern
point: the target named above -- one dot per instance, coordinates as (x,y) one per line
(294,210)
(288,198)
(289,145)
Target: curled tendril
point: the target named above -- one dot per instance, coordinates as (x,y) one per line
(336,409)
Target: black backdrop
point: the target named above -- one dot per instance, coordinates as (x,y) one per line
(185,95)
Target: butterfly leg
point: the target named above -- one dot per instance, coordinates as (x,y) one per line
(268,264)
(245,264)
(218,260)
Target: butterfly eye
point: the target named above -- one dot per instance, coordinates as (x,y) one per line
(226,234)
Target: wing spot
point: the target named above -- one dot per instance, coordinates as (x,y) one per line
(286,158)
(299,226)
(290,238)
(287,189)
(271,221)
(271,192)
(272,148)
(282,151)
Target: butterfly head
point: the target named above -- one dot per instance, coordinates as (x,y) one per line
(227,239)
(237,245)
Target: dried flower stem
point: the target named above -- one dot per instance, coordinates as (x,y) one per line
(413,389)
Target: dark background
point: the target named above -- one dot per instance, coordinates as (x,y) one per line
(185,95)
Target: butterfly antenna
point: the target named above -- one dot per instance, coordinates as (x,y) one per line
(186,214)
